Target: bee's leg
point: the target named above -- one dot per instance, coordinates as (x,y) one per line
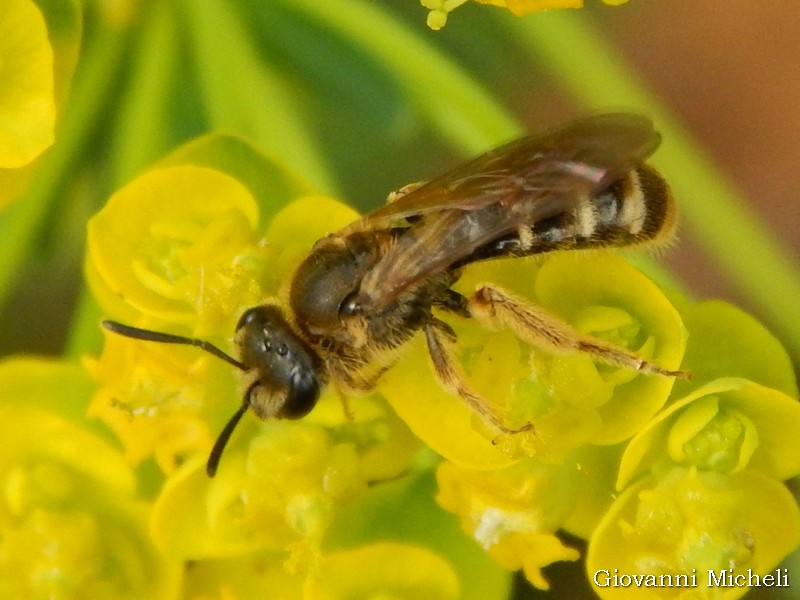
(453,302)
(346,408)
(348,382)
(406,189)
(440,338)
(534,325)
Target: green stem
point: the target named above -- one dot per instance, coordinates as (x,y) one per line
(140,133)
(716,212)
(84,333)
(468,116)
(245,95)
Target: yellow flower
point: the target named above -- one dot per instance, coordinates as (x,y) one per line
(27,101)
(689,522)
(70,525)
(177,245)
(709,494)
(512,513)
(725,426)
(280,488)
(191,244)
(181,248)
(174,245)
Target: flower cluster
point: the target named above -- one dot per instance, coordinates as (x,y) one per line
(71,521)
(702,483)
(187,247)
(408,493)
(617,457)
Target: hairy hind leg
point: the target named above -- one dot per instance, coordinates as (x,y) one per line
(539,328)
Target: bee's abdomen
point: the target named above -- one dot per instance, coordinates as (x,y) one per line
(637,208)
(634,210)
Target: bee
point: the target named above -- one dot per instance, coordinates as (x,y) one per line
(363,292)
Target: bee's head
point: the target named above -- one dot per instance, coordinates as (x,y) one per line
(287,371)
(286,374)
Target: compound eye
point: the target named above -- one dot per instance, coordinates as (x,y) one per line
(350,306)
(250,316)
(302,397)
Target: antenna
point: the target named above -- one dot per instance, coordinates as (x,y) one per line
(168,338)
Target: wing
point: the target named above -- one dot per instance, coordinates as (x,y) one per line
(594,150)
(520,183)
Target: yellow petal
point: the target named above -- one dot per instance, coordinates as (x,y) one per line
(384,570)
(157,241)
(27,103)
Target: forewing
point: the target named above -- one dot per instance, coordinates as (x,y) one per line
(583,155)
(518,184)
